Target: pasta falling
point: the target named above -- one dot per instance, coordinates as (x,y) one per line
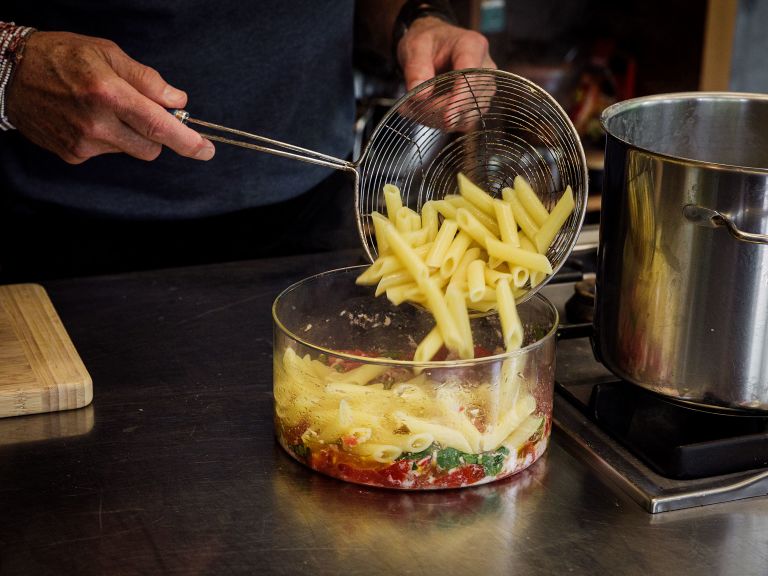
(507,239)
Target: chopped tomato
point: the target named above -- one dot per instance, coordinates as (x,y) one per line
(343,365)
(334,462)
(481,352)
(391,476)
(458,477)
(349,440)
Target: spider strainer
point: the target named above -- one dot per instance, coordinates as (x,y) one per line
(489,124)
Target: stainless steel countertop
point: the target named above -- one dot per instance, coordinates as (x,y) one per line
(174,469)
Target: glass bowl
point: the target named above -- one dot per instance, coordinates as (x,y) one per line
(350,402)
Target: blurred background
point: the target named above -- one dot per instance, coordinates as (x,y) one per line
(591,53)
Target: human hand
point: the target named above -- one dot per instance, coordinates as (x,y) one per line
(80,97)
(431,46)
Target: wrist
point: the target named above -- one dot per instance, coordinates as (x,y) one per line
(12,41)
(413,10)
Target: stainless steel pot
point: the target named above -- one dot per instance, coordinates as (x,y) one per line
(682,283)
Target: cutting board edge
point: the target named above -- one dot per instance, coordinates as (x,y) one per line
(21,403)
(71,388)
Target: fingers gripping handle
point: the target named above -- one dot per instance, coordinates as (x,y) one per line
(267,145)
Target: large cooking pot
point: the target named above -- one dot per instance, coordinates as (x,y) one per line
(682,282)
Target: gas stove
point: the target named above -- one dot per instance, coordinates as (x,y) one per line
(664,454)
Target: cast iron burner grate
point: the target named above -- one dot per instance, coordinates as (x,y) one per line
(676,440)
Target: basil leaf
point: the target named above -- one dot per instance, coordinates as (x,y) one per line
(450,458)
(493,462)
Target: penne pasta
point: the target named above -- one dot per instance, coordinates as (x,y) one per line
(511,328)
(530,200)
(506,223)
(519,257)
(484,219)
(442,243)
(457,249)
(524,220)
(552,225)
(399,294)
(393,201)
(473,227)
(476,280)
(416,238)
(509,422)
(455,265)
(482,306)
(392,280)
(437,305)
(409,259)
(381,241)
(384,453)
(445,435)
(376,271)
(521,434)
(429,220)
(536,277)
(474,194)
(407,220)
(429,346)
(492,276)
(457,307)
(361,375)
(520,276)
(445,209)
(419,442)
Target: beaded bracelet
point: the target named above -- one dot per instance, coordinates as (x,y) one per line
(12,40)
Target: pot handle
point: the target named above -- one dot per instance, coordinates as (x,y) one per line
(713,219)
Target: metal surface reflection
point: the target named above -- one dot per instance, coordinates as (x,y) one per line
(441,528)
(37,427)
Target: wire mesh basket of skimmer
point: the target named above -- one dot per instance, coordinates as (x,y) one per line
(490,125)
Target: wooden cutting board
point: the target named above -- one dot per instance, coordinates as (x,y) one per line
(40,370)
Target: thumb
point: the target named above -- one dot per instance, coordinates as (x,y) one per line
(149,82)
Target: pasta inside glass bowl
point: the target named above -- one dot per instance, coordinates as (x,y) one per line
(351,403)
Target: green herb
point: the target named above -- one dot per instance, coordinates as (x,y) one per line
(492,462)
(417,456)
(450,458)
(301,450)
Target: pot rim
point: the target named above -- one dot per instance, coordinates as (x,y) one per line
(618,108)
(278,323)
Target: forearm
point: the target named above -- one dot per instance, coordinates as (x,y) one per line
(12,40)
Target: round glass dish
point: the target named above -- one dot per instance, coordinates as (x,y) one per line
(350,402)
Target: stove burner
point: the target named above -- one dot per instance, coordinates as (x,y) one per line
(675,440)
(666,454)
(580,306)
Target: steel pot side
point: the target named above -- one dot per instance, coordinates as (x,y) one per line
(682,299)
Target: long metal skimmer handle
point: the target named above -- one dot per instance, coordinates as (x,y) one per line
(267,145)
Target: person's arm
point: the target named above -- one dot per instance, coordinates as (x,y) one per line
(423,36)
(80,97)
